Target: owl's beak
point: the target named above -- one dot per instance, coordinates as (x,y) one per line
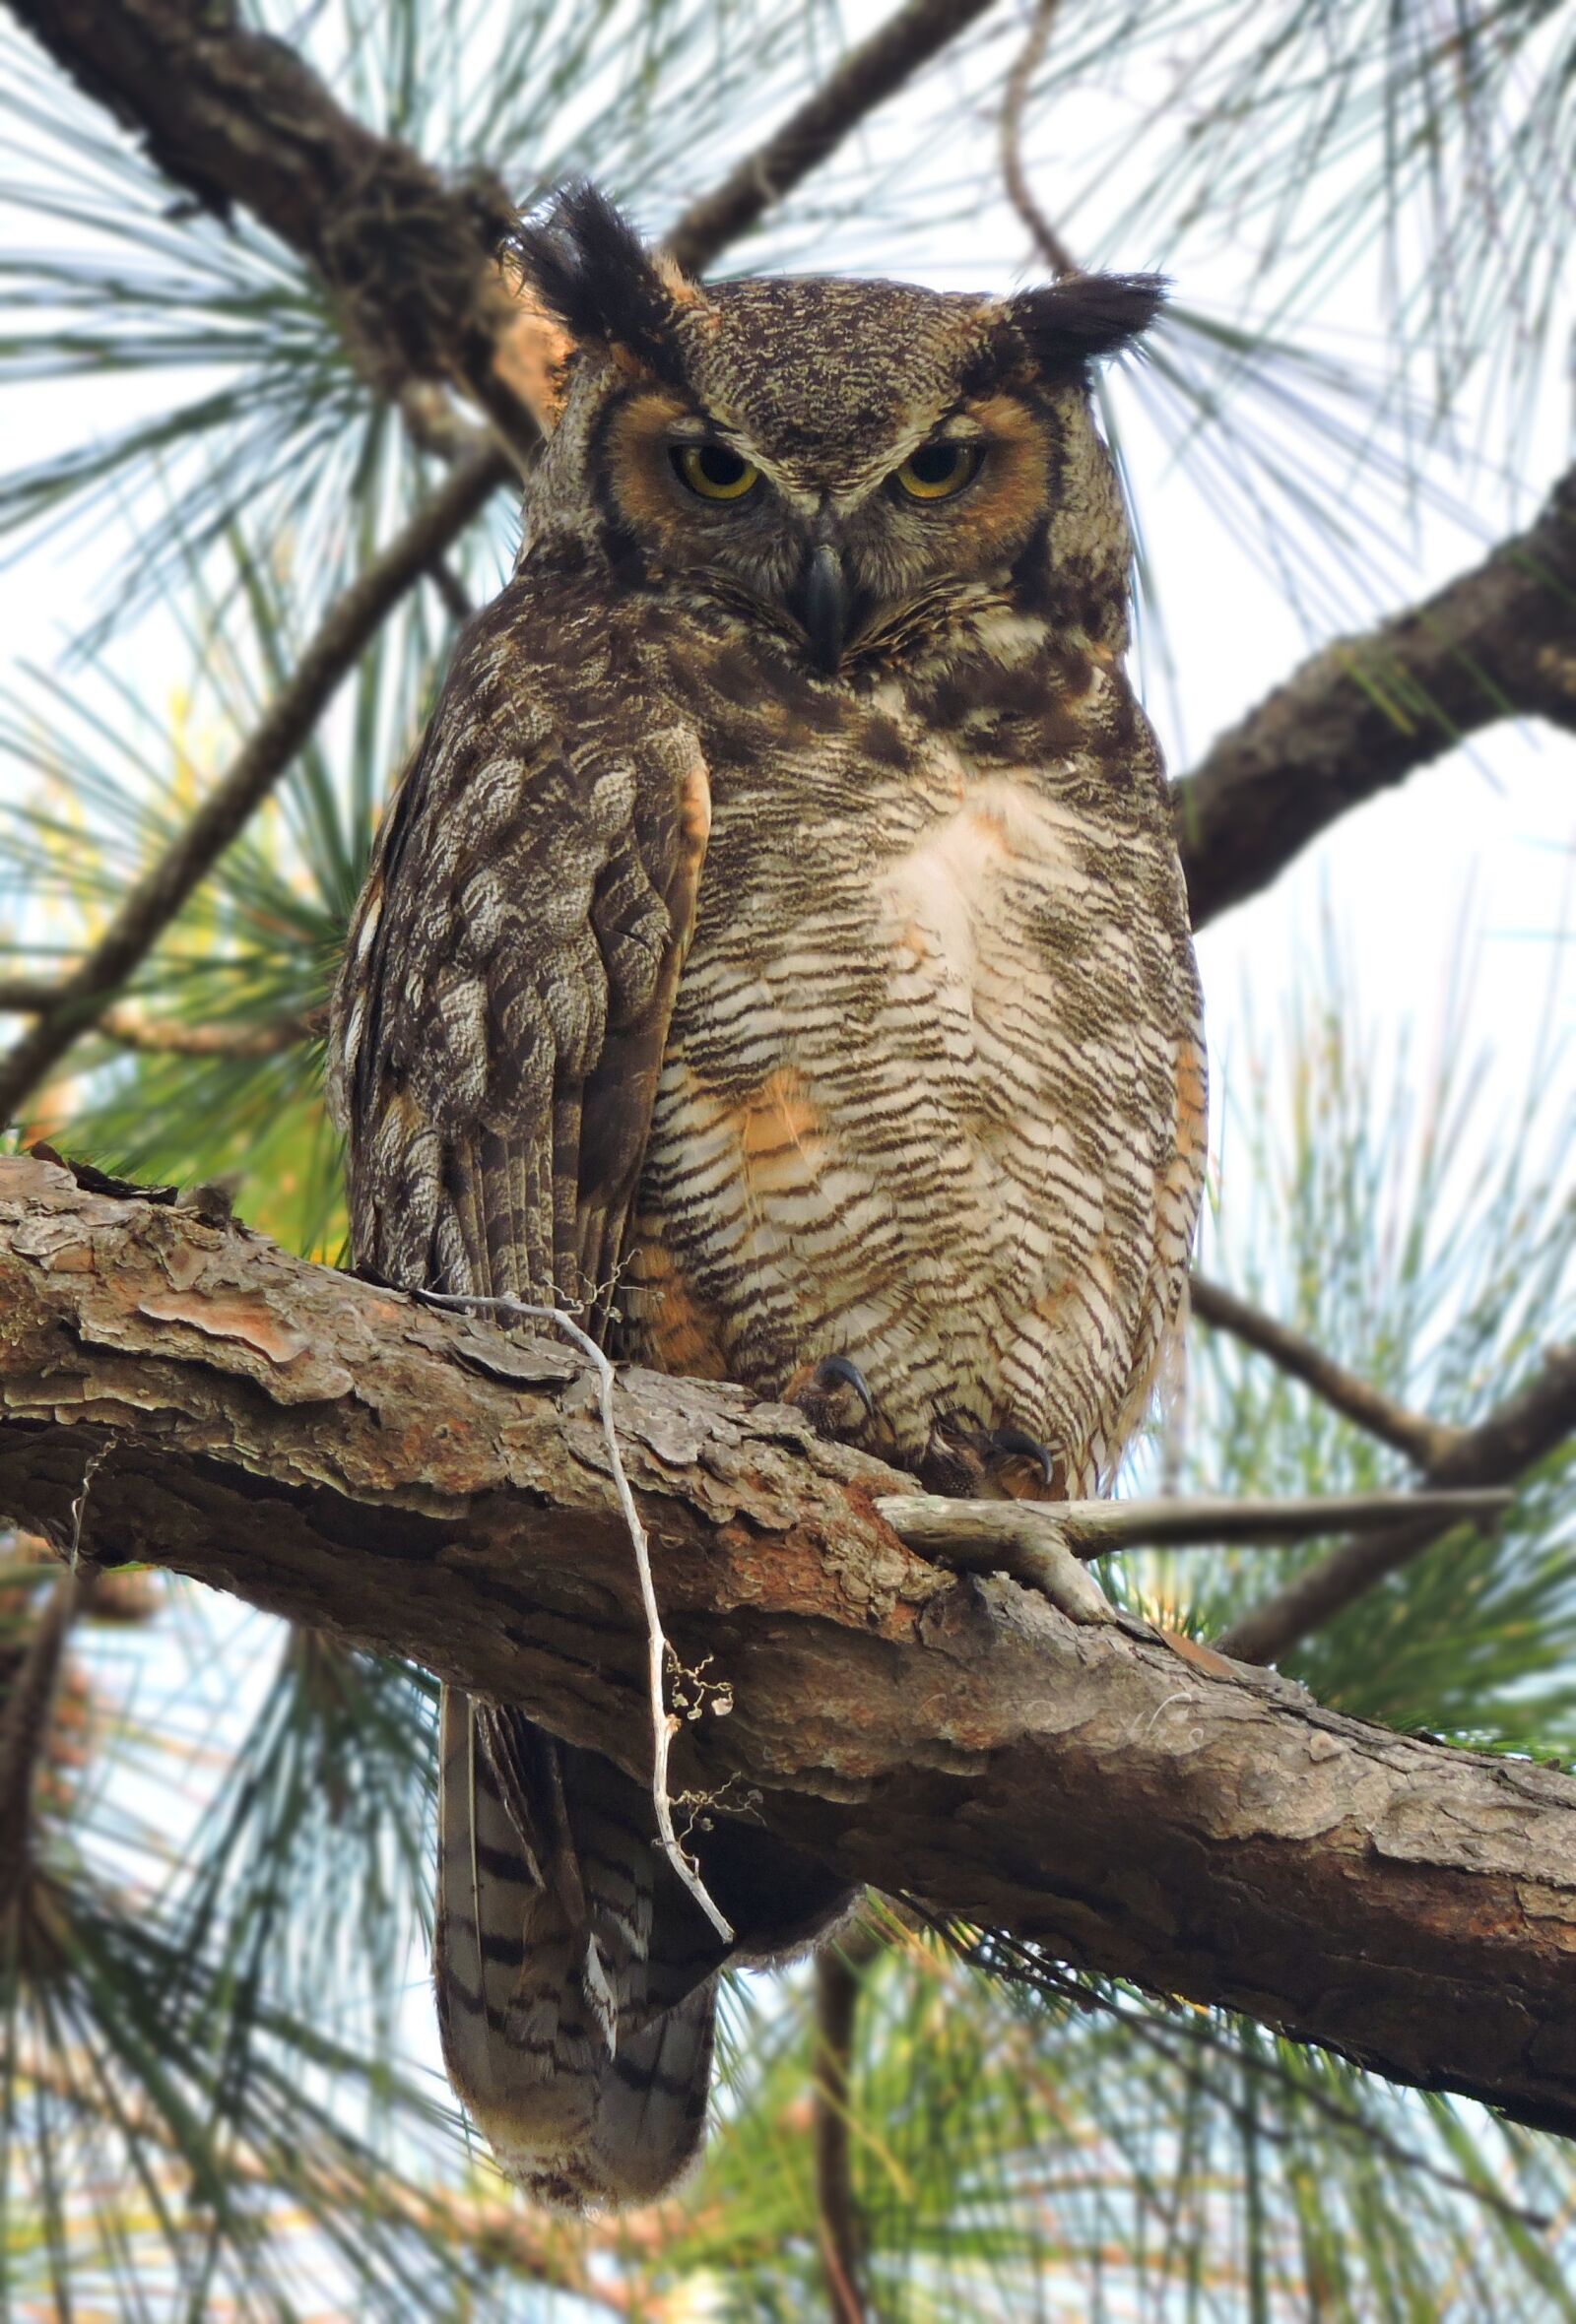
(820,603)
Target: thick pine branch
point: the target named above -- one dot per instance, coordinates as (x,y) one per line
(1365,712)
(424,1485)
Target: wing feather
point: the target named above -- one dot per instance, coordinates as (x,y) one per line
(497,1037)
(500,1024)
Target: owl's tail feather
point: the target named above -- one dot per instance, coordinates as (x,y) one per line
(575,1973)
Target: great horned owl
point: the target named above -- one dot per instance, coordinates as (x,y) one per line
(776,952)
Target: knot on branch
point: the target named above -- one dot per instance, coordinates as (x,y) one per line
(411,259)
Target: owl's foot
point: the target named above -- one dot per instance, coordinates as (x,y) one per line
(963,1463)
(835,1397)
(969,1464)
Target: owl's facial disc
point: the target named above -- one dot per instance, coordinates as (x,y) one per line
(839,558)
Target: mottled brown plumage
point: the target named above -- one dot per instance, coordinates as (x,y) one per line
(776,952)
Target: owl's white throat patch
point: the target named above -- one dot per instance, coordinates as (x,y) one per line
(945,890)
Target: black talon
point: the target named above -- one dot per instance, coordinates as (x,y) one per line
(832,1369)
(1018,1440)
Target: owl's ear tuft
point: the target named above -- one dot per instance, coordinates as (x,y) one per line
(1069,325)
(583,262)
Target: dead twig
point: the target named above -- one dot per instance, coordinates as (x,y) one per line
(663,1725)
(1049,243)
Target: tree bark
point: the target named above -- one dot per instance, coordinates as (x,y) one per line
(428,1486)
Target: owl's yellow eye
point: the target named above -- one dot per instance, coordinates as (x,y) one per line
(714,472)
(936,471)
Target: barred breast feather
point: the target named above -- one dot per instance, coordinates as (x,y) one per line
(933,1094)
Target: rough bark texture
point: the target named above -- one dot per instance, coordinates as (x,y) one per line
(426,1485)
(1365,712)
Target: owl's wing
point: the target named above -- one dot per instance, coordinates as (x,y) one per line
(498,1037)
(501,1017)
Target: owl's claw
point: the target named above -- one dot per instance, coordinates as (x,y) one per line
(1018,1443)
(834,1371)
(969,1464)
(835,1396)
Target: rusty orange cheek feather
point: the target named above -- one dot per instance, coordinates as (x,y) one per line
(532,354)
(1009,494)
(638,457)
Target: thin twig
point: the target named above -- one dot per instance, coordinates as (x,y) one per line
(124,1023)
(1514,1438)
(1094,1529)
(342,636)
(663,1726)
(79,1510)
(1423,1441)
(28,995)
(1055,252)
(168,1037)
